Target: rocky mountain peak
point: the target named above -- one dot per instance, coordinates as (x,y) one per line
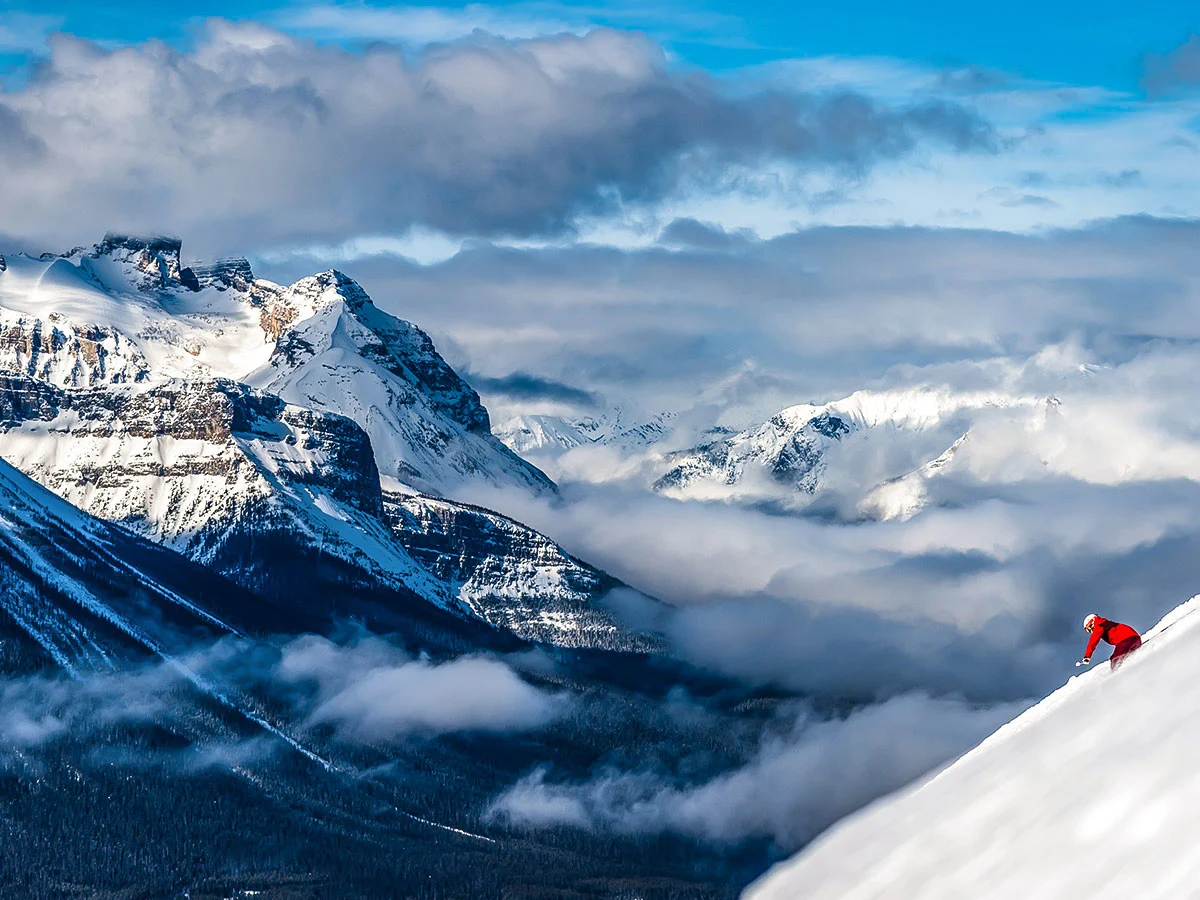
(396,346)
(223,274)
(151,262)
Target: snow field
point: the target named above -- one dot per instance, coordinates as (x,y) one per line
(1094,792)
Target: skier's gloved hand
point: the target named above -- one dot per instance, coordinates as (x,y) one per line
(1086,661)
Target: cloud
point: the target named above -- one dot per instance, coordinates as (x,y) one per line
(972,79)
(797,784)
(1045,514)
(1028,200)
(1122,179)
(784,318)
(256,138)
(691,234)
(39,710)
(370,691)
(17,145)
(364,689)
(1165,73)
(525,386)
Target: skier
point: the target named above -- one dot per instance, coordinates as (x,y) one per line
(1123,638)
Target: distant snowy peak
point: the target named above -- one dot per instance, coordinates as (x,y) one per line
(789,448)
(1092,792)
(617,427)
(793,447)
(527,434)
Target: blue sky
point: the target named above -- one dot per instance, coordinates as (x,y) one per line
(1093,43)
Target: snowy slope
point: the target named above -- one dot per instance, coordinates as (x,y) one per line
(1094,792)
(533,433)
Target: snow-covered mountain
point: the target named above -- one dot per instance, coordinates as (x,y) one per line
(625,426)
(534,433)
(338,353)
(1094,792)
(875,439)
(788,449)
(197,465)
(128,313)
(249,426)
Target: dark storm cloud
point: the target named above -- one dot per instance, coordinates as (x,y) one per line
(17,146)
(524,386)
(1164,73)
(696,235)
(256,137)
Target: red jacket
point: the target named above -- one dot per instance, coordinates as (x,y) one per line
(1108,630)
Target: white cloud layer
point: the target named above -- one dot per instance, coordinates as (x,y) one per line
(370,691)
(797,784)
(256,139)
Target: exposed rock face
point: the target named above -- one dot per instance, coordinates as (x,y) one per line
(57,351)
(511,576)
(232,272)
(181,462)
(153,262)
